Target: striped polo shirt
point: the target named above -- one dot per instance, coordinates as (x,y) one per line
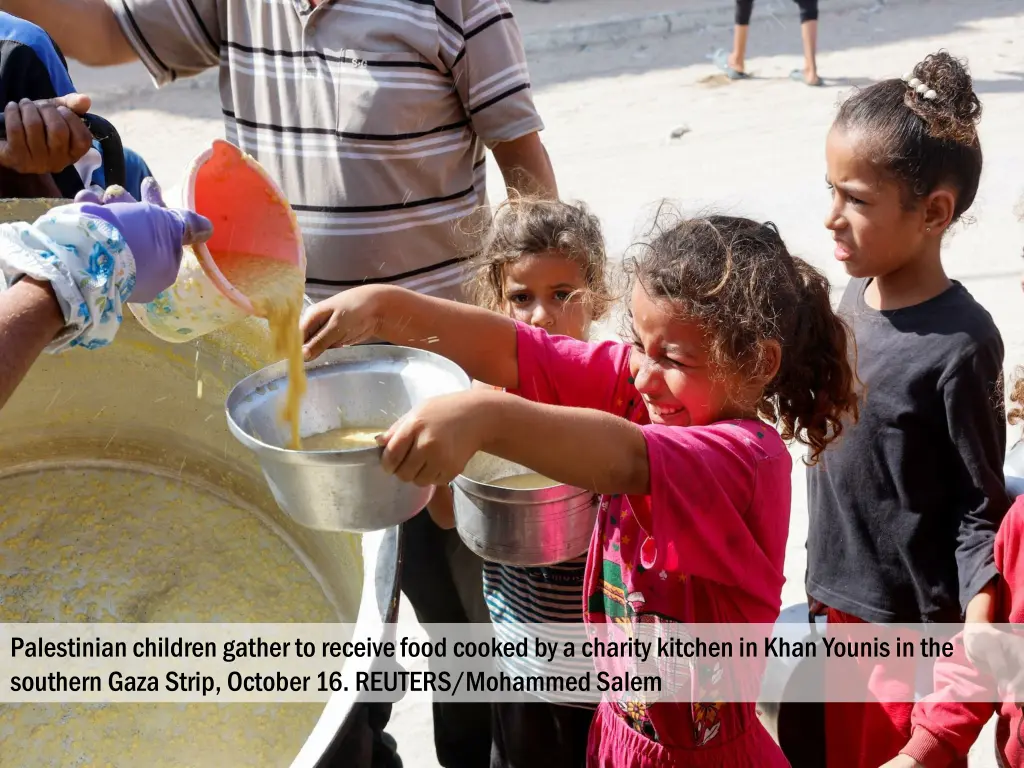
(372,115)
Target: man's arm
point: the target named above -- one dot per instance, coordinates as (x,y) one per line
(86,30)
(493,81)
(30,318)
(525,164)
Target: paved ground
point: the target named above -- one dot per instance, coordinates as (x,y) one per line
(755,147)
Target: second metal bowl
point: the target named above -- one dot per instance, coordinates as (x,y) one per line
(533,527)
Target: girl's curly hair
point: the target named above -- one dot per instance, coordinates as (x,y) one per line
(736,279)
(526,227)
(1016,414)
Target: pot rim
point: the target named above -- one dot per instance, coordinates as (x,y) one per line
(520,497)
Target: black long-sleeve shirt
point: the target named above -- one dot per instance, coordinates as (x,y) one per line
(905,506)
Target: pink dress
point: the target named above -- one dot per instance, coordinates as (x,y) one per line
(706,546)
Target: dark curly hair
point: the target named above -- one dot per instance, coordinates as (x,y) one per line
(925,143)
(525,227)
(736,279)
(1016,413)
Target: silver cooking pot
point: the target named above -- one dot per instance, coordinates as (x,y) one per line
(136,404)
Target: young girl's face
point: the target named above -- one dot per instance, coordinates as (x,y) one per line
(670,367)
(546,290)
(874,233)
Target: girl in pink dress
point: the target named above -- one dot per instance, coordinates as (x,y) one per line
(731,334)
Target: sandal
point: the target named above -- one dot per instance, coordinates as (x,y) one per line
(721,59)
(798,76)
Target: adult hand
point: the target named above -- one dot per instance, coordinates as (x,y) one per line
(45,136)
(154,233)
(344,319)
(432,444)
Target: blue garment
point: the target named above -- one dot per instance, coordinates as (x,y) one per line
(19,31)
(31,67)
(135,170)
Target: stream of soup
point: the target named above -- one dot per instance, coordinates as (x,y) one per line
(275,289)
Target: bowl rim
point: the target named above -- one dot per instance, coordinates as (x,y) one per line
(522,497)
(519,496)
(277,373)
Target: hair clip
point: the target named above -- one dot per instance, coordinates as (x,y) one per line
(921,89)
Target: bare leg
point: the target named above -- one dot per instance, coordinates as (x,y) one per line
(809,33)
(737,59)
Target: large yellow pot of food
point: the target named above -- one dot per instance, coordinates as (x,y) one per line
(123,497)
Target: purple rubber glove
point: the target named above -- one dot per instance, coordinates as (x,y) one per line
(154,233)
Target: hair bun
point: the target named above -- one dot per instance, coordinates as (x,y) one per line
(954,112)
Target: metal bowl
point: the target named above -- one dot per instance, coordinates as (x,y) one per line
(367,386)
(512,526)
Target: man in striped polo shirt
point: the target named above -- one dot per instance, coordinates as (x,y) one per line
(374,117)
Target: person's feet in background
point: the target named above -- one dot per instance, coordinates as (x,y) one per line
(734,64)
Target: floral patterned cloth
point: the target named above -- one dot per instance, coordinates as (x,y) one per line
(87,262)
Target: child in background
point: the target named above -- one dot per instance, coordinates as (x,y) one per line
(544,265)
(730,335)
(947,723)
(905,509)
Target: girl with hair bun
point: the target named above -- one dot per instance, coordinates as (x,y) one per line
(904,510)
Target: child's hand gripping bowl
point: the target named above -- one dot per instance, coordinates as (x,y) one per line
(348,318)
(433,443)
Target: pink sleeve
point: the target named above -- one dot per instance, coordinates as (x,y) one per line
(722,497)
(557,370)
(947,722)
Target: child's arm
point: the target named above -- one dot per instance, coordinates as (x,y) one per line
(581,447)
(976,419)
(700,482)
(480,342)
(946,723)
